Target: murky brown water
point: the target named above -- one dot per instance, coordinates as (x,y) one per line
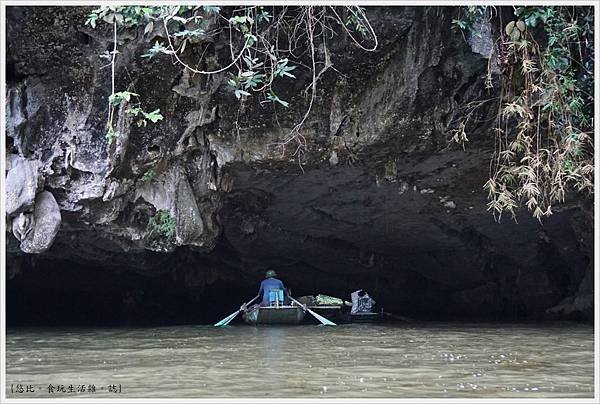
(382,361)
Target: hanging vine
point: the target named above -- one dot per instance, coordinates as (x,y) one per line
(544,126)
(266,45)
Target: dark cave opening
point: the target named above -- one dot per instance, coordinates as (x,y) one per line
(61,292)
(69,293)
(413,263)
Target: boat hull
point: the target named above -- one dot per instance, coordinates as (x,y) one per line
(333,313)
(364,317)
(273,315)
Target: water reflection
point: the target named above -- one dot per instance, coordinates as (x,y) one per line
(398,360)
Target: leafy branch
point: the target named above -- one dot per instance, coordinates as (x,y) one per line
(124,17)
(163,224)
(544,146)
(265,44)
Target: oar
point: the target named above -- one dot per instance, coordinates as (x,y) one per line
(322,319)
(230,317)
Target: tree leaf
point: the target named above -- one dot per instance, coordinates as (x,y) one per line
(109,18)
(509,28)
(149,27)
(154,116)
(238,93)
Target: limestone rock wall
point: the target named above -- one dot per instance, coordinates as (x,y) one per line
(381,198)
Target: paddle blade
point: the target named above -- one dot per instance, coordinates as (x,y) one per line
(322,319)
(227,319)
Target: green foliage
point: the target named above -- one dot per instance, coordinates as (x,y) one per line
(257,74)
(273,97)
(264,60)
(467,17)
(545,123)
(263,16)
(263,43)
(211,9)
(533,15)
(248,79)
(283,70)
(153,116)
(241,22)
(148,175)
(125,16)
(357,25)
(157,49)
(112,134)
(120,97)
(163,224)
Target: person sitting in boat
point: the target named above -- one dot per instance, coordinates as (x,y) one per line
(268,284)
(361,302)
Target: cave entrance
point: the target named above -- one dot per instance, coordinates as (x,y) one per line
(60,292)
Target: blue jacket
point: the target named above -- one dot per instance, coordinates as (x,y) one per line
(266,285)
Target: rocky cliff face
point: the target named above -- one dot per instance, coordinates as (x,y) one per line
(379,199)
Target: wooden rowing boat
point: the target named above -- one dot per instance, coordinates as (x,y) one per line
(257,315)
